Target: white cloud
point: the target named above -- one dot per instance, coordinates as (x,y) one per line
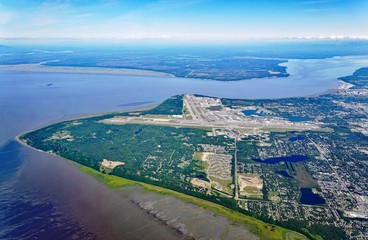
(6,17)
(43,21)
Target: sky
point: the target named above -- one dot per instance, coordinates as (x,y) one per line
(184,20)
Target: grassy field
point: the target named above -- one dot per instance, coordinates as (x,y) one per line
(264,230)
(305,180)
(225,185)
(198,156)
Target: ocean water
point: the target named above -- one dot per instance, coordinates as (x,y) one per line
(44,197)
(49,198)
(26,213)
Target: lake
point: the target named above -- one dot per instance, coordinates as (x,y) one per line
(296,138)
(275,160)
(310,198)
(292,118)
(46,197)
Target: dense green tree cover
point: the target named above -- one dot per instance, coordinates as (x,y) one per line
(157,155)
(171,106)
(327,232)
(154,154)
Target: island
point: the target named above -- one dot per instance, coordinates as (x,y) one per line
(296,163)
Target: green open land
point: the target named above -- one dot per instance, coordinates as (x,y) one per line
(304,178)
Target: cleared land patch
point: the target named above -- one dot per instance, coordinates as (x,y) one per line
(62,135)
(250,185)
(200,183)
(107,165)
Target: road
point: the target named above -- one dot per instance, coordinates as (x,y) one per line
(235,170)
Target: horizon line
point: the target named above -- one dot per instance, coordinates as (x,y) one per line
(168,39)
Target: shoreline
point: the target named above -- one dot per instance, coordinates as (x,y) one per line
(90,172)
(257,227)
(340,86)
(39,68)
(115,182)
(71,118)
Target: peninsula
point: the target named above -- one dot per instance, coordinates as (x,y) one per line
(283,161)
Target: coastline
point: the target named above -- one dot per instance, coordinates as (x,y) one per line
(280,86)
(77,93)
(341,85)
(261,229)
(148,107)
(257,227)
(118,183)
(38,68)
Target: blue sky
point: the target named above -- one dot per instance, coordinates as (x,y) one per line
(185,20)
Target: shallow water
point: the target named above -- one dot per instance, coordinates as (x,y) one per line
(49,198)
(91,206)
(190,219)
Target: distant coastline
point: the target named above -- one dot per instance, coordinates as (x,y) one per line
(38,68)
